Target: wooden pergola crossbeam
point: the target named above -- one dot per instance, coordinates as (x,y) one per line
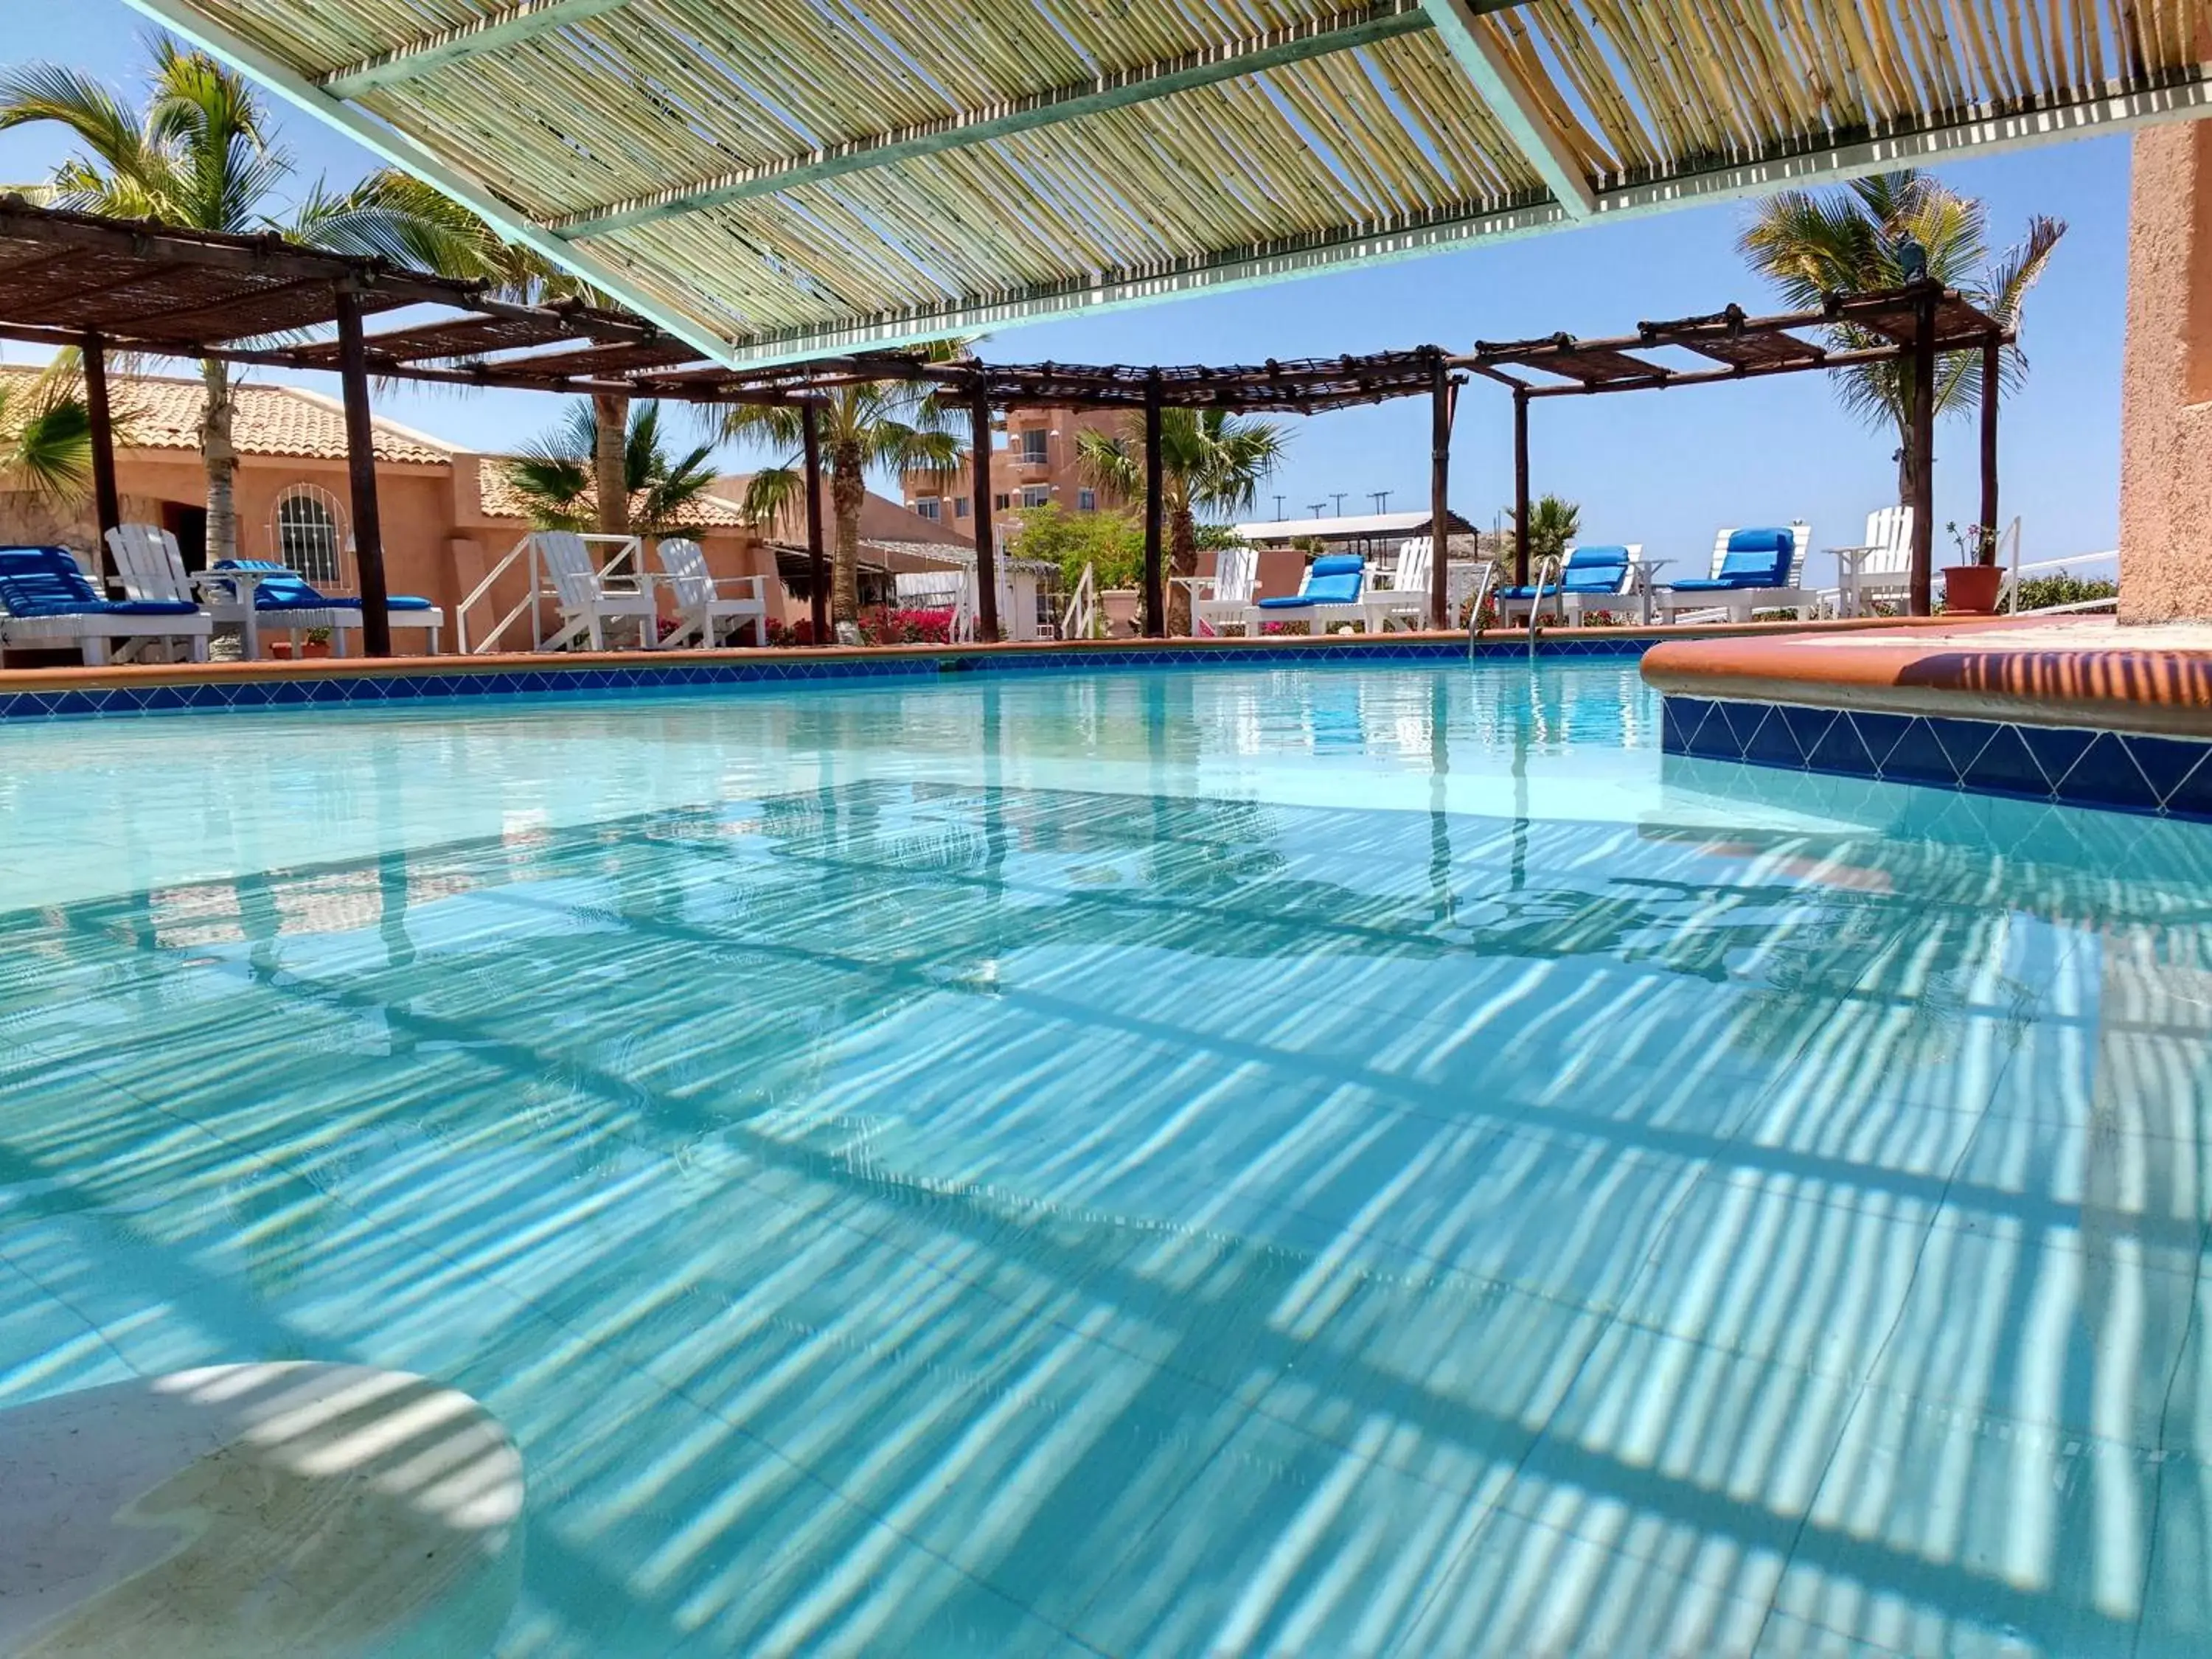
(1512,105)
(1362,25)
(490,32)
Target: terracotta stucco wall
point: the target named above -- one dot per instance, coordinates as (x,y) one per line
(2166,410)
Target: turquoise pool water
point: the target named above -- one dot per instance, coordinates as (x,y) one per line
(1315,1162)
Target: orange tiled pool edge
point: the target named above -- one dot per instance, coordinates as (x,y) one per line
(2067,712)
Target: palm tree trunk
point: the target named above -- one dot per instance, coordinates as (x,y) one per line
(219,456)
(847,490)
(610,462)
(1183,561)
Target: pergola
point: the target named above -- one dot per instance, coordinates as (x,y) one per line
(1920,324)
(72,279)
(776,180)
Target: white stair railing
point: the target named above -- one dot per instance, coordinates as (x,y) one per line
(526,548)
(624,569)
(1081,615)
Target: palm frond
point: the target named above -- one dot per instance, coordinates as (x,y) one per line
(45,440)
(770,492)
(779,427)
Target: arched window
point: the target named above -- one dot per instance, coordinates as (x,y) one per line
(310,534)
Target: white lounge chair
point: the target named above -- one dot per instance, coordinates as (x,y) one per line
(47,600)
(1596,578)
(1222,600)
(252,594)
(151,567)
(1881,568)
(1752,569)
(590,596)
(701,609)
(1328,593)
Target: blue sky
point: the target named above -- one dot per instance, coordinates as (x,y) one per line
(1661,468)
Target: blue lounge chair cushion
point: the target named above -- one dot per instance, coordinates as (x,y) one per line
(1595,570)
(45,581)
(282,588)
(1334,578)
(1754,558)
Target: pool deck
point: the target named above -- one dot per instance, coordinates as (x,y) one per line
(2068,672)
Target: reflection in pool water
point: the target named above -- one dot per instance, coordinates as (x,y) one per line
(1314,1162)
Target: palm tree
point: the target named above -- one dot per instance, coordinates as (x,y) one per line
(1847,241)
(1553,522)
(897,425)
(1211,461)
(557,475)
(201,154)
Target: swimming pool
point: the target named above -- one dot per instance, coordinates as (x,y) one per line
(1315,1161)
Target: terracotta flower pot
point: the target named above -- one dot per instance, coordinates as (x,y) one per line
(315,648)
(1971,588)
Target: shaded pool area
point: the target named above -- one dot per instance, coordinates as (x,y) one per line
(1310,1161)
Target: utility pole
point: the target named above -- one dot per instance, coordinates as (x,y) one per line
(1314,509)
(1278,510)
(1338,499)
(1381,498)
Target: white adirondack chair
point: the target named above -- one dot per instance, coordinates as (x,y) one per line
(701,609)
(150,566)
(590,597)
(47,600)
(1224,600)
(1881,568)
(1404,599)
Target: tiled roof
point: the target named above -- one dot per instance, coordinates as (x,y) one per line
(502,499)
(159,412)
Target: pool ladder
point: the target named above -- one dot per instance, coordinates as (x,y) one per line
(1549,562)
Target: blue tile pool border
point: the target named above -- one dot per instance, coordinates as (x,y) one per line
(2076,766)
(424,680)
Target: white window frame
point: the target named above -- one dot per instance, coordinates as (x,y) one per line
(291,544)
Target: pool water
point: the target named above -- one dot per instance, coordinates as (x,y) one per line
(1316,1163)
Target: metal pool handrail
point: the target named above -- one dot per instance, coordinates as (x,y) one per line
(1474,610)
(1536,605)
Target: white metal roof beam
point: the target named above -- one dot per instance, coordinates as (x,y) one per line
(1510,106)
(403,152)
(488,33)
(1409,236)
(1359,25)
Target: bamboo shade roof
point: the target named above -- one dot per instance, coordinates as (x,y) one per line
(775,179)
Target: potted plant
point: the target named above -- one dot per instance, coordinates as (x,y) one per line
(1970,586)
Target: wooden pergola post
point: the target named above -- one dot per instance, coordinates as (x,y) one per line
(1520,486)
(1921,450)
(1440,426)
(1992,350)
(106,504)
(361,475)
(818,577)
(987,554)
(1156,624)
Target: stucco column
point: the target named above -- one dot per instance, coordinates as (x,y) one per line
(2165,401)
